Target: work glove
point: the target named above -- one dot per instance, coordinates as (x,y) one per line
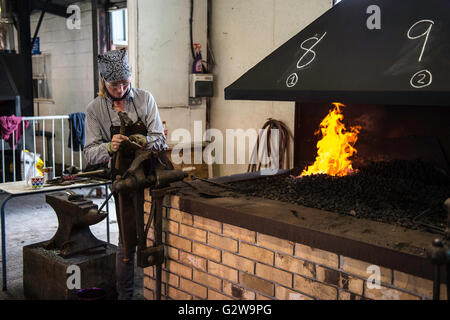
(139,139)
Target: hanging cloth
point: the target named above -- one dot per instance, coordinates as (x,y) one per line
(10,124)
(77,121)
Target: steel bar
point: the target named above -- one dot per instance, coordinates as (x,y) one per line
(62,144)
(4,242)
(71,142)
(14,156)
(437,283)
(107,210)
(212,182)
(3,160)
(158,197)
(24,139)
(36,32)
(53,149)
(34,148)
(43,143)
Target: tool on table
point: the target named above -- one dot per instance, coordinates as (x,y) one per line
(68,178)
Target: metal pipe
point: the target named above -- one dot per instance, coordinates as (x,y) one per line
(95,50)
(46,118)
(158,239)
(39,23)
(3,160)
(437,283)
(43,143)
(107,210)
(71,141)
(34,148)
(3,222)
(23,143)
(14,156)
(80,153)
(53,149)
(62,144)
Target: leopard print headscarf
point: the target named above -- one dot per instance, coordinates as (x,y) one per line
(113,65)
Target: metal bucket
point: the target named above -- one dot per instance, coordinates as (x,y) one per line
(91,294)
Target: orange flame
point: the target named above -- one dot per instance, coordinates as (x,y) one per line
(336,146)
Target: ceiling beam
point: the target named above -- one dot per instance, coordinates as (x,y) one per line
(52,8)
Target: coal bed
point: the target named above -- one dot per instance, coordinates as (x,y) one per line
(404,193)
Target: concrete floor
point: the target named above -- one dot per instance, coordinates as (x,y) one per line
(30,220)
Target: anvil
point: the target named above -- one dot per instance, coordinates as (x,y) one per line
(75,215)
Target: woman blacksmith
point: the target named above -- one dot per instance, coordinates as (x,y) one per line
(103,138)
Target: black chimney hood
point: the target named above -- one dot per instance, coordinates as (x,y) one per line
(8,89)
(360,51)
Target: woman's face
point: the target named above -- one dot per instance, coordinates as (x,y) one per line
(117,89)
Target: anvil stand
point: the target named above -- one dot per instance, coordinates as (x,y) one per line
(439,254)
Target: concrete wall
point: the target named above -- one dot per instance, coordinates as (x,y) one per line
(161,58)
(71,78)
(243,33)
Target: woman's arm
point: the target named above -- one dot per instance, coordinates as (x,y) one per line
(96,150)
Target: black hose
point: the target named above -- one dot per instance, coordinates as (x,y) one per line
(190,28)
(284,136)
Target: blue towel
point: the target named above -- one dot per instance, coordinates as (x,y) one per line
(77,121)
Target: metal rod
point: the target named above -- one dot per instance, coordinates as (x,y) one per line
(46,118)
(107,211)
(62,143)
(81,159)
(158,240)
(4,242)
(448,278)
(34,148)
(43,142)
(194,177)
(437,282)
(23,147)
(71,141)
(39,23)
(14,155)
(3,160)
(108,197)
(53,149)
(95,50)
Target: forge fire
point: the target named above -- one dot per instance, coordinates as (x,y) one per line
(406,193)
(336,146)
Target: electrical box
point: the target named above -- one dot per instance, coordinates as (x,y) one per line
(201,85)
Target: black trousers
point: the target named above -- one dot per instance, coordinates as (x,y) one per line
(124,274)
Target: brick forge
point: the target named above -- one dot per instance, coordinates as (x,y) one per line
(208,256)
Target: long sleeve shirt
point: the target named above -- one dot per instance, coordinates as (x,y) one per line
(98,124)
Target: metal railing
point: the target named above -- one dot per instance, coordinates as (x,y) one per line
(57,141)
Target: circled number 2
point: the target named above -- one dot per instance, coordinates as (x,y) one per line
(422,79)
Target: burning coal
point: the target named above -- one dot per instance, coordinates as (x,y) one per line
(336,146)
